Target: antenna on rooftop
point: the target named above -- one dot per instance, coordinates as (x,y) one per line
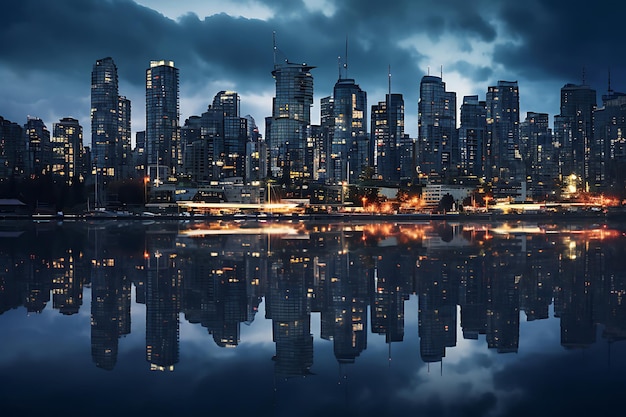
(610,90)
(339,65)
(584,76)
(441,72)
(345,64)
(274,43)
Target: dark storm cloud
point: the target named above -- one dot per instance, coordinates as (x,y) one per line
(532,41)
(557,39)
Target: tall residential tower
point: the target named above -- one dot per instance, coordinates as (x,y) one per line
(162,120)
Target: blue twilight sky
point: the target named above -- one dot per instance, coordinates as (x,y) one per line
(48,49)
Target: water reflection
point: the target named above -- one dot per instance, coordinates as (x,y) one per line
(471,281)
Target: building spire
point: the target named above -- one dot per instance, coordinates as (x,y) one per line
(274,48)
(345,65)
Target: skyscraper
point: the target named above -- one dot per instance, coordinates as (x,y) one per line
(610,135)
(387,129)
(39,150)
(291,114)
(541,167)
(162,120)
(349,141)
(502,151)
(437,143)
(234,135)
(110,123)
(12,149)
(67,150)
(472,134)
(578,103)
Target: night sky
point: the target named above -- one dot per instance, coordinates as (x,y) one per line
(48,49)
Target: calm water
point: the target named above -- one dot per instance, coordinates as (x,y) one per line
(435,319)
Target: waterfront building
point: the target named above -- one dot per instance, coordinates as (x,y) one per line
(124,134)
(610,137)
(110,124)
(472,134)
(502,152)
(12,149)
(538,150)
(578,104)
(235,133)
(256,153)
(162,121)
(38,145)
(67,151)
(387,129)
(291,114)
(348,152)
(437,142)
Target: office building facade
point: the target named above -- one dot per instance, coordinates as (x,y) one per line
(162,121)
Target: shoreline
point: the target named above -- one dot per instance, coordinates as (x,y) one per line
(331,217)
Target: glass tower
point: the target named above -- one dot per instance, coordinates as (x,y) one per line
(578,103)
(105,141)
(291,115)
(387,130)
(162,120)
(472,136)
(503,154)
(437,144)
(349,142)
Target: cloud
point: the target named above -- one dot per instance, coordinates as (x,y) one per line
(49,48)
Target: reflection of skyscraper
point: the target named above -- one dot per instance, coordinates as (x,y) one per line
(437,308)
(162,308)
(503,275)
(391,289)
(162,119)
(574,302)
(110,314)
(67,287)
(287,307)
(342,288)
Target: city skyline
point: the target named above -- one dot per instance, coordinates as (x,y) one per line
(473,45)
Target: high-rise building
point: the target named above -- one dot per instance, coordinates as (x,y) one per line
(541,167)
(291,114)
(125,161)
(39,150)
(349,142)
(67,151)
(234,135)
(610,135)
(387,129)
(162,121)
(578,103)
(12,149)
(503,159)
(437,143)
(256,153)
(110,124)
(472,134)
